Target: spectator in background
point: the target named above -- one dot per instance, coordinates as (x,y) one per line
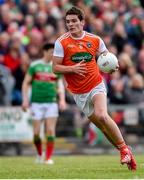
(133,25)
(27,25)
(16,41)
(131,51)
(41,20)
(33,48)
(12,58)
(49,33)
(32,8)
(4,44)
(116,88)
(5,17)
(118,79)
(131,71)
(124,62)
(140,63)
(97,26)
(119,37)
(19,75)
(134,91)
(33,51)
(7,83)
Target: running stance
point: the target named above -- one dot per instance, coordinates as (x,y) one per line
(74,56)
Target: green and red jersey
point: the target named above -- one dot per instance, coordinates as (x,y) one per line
(44,83)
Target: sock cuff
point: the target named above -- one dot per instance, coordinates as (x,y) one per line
(121,144)
(36,139)
(50,138)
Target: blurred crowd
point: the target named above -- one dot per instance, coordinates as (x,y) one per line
(26,24)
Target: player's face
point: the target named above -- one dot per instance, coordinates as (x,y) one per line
(74,25)
(48,55)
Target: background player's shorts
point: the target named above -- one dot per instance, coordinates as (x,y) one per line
(84,101)
(41,111)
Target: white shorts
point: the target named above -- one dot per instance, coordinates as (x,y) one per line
(84,101)
(40,111)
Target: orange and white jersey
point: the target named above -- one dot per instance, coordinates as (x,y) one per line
(73,50)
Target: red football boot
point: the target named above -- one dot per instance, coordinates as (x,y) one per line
(128,158)
(132,165)
(125,155)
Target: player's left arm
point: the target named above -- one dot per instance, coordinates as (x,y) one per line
(61,94)
(103,50)
(102,47)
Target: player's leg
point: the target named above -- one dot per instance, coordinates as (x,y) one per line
(36,137)
(51,115)
(36,113)
(101,119)
(94,105)
(50,126)
(106,134)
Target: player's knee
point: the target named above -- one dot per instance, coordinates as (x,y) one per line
(101,117)
(50,131)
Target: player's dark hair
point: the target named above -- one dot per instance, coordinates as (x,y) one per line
(76,11)
(47,46)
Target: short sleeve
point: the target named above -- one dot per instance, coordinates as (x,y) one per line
(102,46)
(31,70)
(58,49)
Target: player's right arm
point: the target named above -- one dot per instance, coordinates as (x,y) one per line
(25,91)
(58,67)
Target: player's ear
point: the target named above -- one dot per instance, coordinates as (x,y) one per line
(83,22)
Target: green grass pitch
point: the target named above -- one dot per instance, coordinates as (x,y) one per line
(70,167)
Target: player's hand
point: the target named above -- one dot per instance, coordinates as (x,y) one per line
(80,68)
(62,105)
(114,70)
(25,106)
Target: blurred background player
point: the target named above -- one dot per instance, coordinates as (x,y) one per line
(46,89)
(74,56)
